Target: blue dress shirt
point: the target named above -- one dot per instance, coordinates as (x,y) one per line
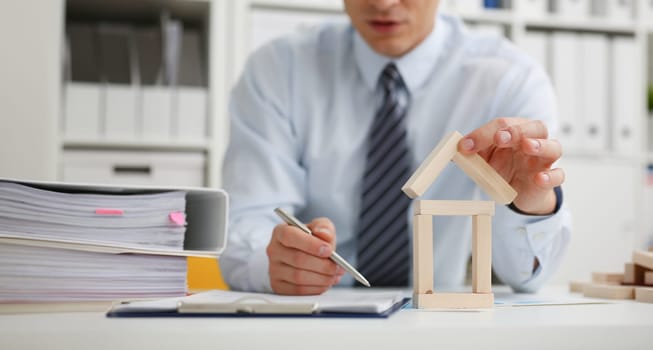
(300,115)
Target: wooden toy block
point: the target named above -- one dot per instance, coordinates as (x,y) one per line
(607,277)
(644,294)
(486,177)
(481,212)
(633,274)
(469,208)
(453,300)
(577,286)
(423,254)
(481,254)
(643,258)
(648,278)
(432,166)
(608,291)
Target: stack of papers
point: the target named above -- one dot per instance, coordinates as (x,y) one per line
(42,274)
(135,220)
(72,245)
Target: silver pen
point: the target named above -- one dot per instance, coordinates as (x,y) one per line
(292,221)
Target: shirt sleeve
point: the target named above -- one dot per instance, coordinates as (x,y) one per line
(519,239)
(261,169)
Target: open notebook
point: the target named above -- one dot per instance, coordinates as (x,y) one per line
(333,303)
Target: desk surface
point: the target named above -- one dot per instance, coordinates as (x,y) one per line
(619,325)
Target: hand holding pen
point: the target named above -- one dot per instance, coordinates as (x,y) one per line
(299,262)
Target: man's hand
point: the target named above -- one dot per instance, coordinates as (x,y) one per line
(299,263)
(519,149)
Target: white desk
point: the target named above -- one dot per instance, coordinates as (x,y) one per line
(622,325)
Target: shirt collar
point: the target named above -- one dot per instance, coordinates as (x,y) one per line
(415,66)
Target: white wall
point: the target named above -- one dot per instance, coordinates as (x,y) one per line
(30,70)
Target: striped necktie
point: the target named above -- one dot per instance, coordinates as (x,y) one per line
(383,241)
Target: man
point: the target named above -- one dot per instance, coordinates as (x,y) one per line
(329,124)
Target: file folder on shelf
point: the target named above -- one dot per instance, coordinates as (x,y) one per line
(594,98)
(625,101)
(566,80)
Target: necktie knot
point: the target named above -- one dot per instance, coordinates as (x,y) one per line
(390,78)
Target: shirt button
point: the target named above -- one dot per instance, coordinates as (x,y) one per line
(538,236)
(522,231)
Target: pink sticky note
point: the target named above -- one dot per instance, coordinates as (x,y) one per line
(108,211)
(177,218)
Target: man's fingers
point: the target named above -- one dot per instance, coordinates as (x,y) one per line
(299,276)
(301,260)
(293,237)
(497,132)
(547,149)
(515,134)
(550,178)
(324,229)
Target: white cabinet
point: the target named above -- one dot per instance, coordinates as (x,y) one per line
(139,78)
(153,168)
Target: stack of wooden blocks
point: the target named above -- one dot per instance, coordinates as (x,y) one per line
(636,282)
(424,295)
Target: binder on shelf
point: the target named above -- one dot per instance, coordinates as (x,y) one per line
(190,95)
(618,11)
(625,102)
(218,303)
(117,59)
(571,9)
(532,8)
(645,11)
(155,98)
(82,93)
(594,98)
(492,4)
(467,6)
(536,44)
(565,62)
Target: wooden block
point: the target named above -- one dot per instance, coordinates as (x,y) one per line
(462,208)
(644,294)
(481,254)
(607,277)
(422,254)
(633,274)
(577,286)
(644,259)
(608,291)
(648,278)
(432,166)
(486,177)
(453,301)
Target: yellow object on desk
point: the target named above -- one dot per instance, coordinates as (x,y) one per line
(203,274)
